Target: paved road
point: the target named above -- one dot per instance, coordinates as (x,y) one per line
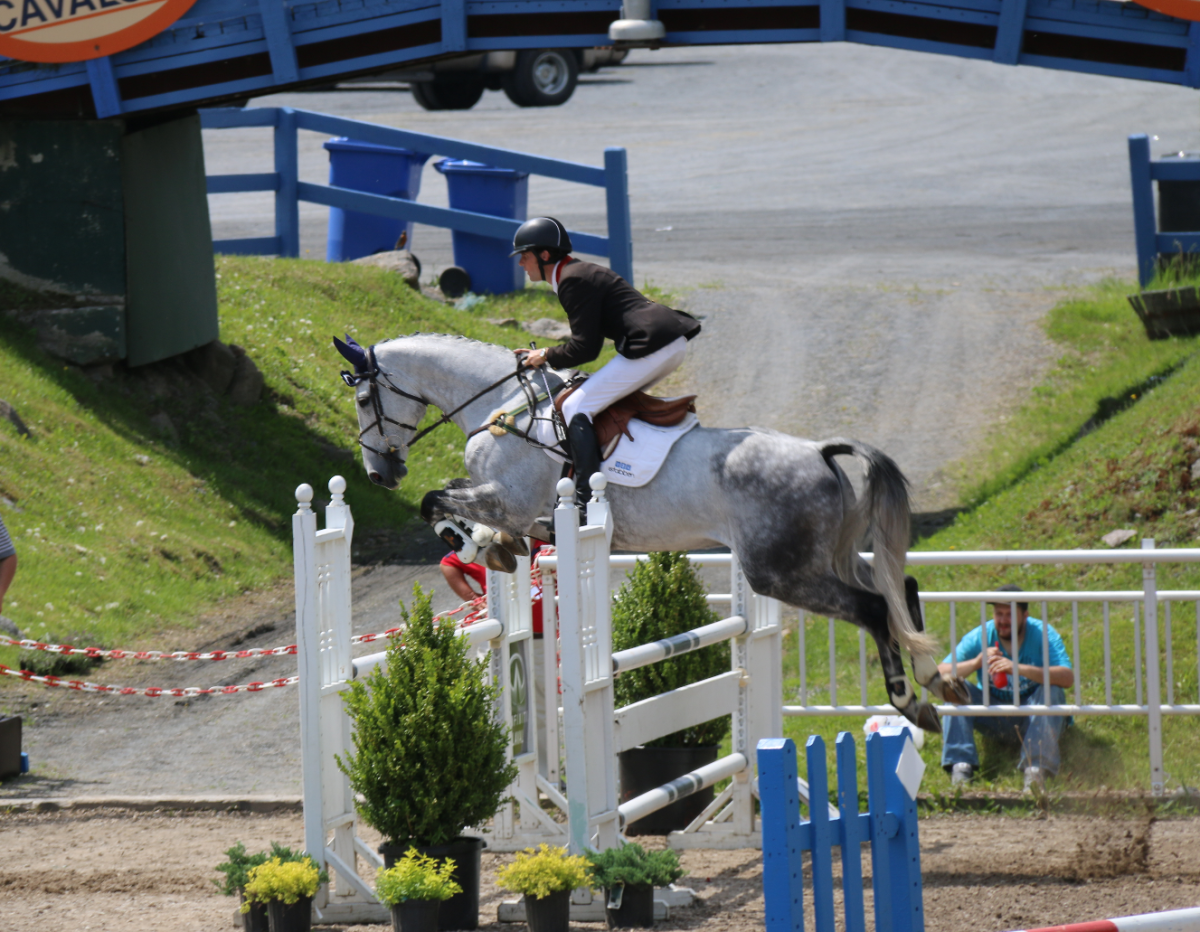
(871,235)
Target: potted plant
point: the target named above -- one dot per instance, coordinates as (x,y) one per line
(629,875)
(287,888)
(663,596)
(430,755)
(545,876)
(237,867)
(414,889)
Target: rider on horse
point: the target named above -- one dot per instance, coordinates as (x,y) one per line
(651,339)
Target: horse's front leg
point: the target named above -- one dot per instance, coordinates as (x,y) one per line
(484,505)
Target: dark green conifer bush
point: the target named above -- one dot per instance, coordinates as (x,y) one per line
(663,596)
(429,755)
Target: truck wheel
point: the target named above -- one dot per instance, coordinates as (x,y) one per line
(542,78)
(448,94)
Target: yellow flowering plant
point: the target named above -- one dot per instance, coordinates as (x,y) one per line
(282,880)
(539,872)
(415,877)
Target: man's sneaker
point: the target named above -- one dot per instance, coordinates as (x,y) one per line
(1035,781)
(961,774)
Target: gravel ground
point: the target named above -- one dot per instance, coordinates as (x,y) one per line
(114,871)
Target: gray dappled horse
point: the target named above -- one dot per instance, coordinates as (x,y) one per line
(782,504)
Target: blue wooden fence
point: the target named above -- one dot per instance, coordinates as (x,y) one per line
(890,825)
(1143,171)
(289,190)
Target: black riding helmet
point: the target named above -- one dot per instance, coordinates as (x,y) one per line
(541,233)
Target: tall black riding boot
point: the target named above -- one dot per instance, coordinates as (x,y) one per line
(586,454)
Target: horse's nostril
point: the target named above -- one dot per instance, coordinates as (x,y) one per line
(376,478)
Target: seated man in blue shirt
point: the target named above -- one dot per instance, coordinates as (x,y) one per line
(1038,734)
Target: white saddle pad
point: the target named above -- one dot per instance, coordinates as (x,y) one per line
(634,462)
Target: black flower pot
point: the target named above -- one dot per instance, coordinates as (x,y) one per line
(548,913)
(461,911)
(256,919)
(645,769)
(637,908)
(416,916)
(297,917)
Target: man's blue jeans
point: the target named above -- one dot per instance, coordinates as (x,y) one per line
(1039,734)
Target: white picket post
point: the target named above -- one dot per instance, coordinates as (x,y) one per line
(587,679)
(323,628)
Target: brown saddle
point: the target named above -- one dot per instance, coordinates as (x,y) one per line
(613,422)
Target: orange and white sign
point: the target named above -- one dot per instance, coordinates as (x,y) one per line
(76,30)
(1181,9)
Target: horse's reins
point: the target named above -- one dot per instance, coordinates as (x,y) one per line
(374,374)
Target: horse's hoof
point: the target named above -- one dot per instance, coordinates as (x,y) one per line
(927,717)
(497,558)
(514,545)
(956,691)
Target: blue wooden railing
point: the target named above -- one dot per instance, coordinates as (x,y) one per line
(1143,172)
(890,825)
(289,190)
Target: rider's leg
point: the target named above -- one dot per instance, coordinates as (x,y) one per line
(620,376)
(585,452)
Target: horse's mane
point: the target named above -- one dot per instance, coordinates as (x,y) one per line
(447,337)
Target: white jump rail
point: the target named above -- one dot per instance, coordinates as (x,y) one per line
(1153,658)
(595,733)
(326,668)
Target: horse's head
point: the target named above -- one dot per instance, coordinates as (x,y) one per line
(387,414)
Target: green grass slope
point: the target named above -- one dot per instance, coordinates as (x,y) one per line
(124,533)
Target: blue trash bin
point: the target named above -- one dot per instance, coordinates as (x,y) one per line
(501,192)
(364,166)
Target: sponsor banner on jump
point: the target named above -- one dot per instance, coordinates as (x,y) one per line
(1182,9)
(76,30)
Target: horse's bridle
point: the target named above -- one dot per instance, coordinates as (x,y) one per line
(373,375)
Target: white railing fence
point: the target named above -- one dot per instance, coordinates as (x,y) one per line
(1091,618)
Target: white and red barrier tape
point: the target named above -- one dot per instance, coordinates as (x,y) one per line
(1174,920)
(475,610)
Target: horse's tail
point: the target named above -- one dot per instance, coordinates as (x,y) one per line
(883,509)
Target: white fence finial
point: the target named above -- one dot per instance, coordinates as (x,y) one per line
(337,486)
(304,495)
(598,484)
(566,491)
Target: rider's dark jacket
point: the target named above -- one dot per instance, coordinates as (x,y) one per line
(600,303)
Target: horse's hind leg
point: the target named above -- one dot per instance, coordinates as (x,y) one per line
(925,668)
(828,595)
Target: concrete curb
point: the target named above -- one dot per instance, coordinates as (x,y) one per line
(156,803)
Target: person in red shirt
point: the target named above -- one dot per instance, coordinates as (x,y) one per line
(458,576)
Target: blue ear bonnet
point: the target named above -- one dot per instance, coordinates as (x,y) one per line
(355,354)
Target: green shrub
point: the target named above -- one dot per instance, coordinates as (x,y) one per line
(238,865)
(415,877)
(540,871)
(277,879)
(633,865)
(430,756)
(661,597)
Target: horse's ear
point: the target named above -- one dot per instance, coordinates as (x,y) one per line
(353,352)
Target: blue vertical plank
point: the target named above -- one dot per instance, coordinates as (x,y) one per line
(779,797)
(1010,30)
(620,225)
(287,165)
(1191,66)
(278,30)
(454,25)
(903,848)
(833,20)
(881,874)
(822,834)
(105,93)
(1143,206)
(851,834)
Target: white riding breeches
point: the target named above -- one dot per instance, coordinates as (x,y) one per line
(620,377)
